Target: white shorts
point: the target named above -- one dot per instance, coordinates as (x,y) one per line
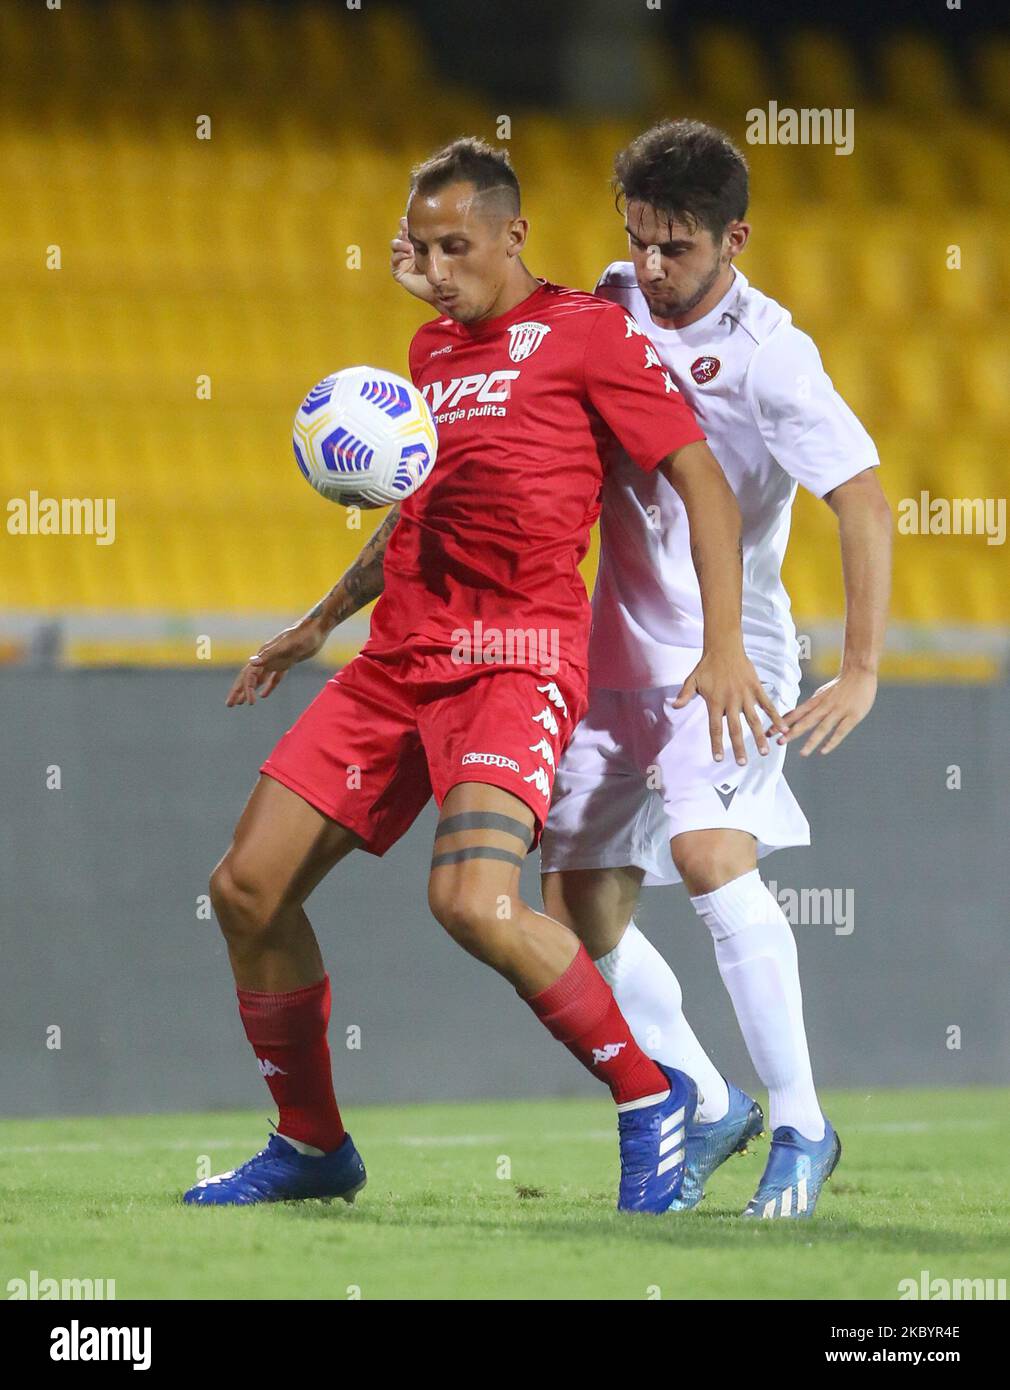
(638,772)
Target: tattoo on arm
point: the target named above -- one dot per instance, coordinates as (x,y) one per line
(363,581)
(696,556)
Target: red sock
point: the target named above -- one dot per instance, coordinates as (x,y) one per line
(288,1035)
(580,1010)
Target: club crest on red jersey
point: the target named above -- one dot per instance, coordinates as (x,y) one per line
(705,369)
(525,338)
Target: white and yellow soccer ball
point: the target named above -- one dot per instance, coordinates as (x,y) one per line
(365,438)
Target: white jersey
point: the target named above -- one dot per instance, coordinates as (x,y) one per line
(773,419)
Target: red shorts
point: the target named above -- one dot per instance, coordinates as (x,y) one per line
(387,732)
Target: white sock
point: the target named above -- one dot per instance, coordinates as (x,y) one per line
(649,996)
(756,954)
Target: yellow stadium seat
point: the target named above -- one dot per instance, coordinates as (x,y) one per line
(960,270)
(781,175)
(820,174)
(916,371)
(197,35)
(20,38)
(258,37)
(916,74)
(396,51)
(981,155)
(729,70)
(982,360)
(74,40)
(667,82)
(881,264)
(820,70)
(908,170)
(807,272)
(974,465)
(911,459)
(599,143)
(128,32)
(992,73)
(852,363)
(812,569)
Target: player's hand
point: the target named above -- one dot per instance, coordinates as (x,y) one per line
(405,272)
(730,686)
(263,672)
(832,712)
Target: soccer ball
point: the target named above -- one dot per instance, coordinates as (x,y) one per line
(365,438)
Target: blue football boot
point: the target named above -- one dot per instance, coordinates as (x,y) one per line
(652,1139)
(796,1170)
(709,1145)
(279,1173)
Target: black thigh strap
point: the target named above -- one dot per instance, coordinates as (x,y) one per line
(477,852)
(485,820)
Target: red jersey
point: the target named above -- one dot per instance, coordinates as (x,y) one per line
(527,407)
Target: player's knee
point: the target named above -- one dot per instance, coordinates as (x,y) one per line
(238,900)
(463,907)
(706,864)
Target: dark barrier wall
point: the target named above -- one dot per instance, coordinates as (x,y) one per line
(905,960)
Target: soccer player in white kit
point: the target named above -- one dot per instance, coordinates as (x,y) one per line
(639,795)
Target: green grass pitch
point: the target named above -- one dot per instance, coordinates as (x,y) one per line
(506,1200)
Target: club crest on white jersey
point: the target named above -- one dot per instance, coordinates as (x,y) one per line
(525,338)
(705,369)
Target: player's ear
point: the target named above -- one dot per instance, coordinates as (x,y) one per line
(518,231)
(737,234)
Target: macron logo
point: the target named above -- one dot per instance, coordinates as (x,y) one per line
(607,1052)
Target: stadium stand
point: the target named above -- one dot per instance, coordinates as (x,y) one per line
(246,266)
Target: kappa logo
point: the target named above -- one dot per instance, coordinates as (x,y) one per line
(486,387)
(268,1068)
(653,359)
(490,760)
(546,718)
(541,781)
(525,338)
(546,752)
(705,369)
(555,696)
(607,1052)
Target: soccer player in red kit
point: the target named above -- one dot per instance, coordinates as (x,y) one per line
(471,681)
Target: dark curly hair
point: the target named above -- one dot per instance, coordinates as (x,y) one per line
(688,170)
